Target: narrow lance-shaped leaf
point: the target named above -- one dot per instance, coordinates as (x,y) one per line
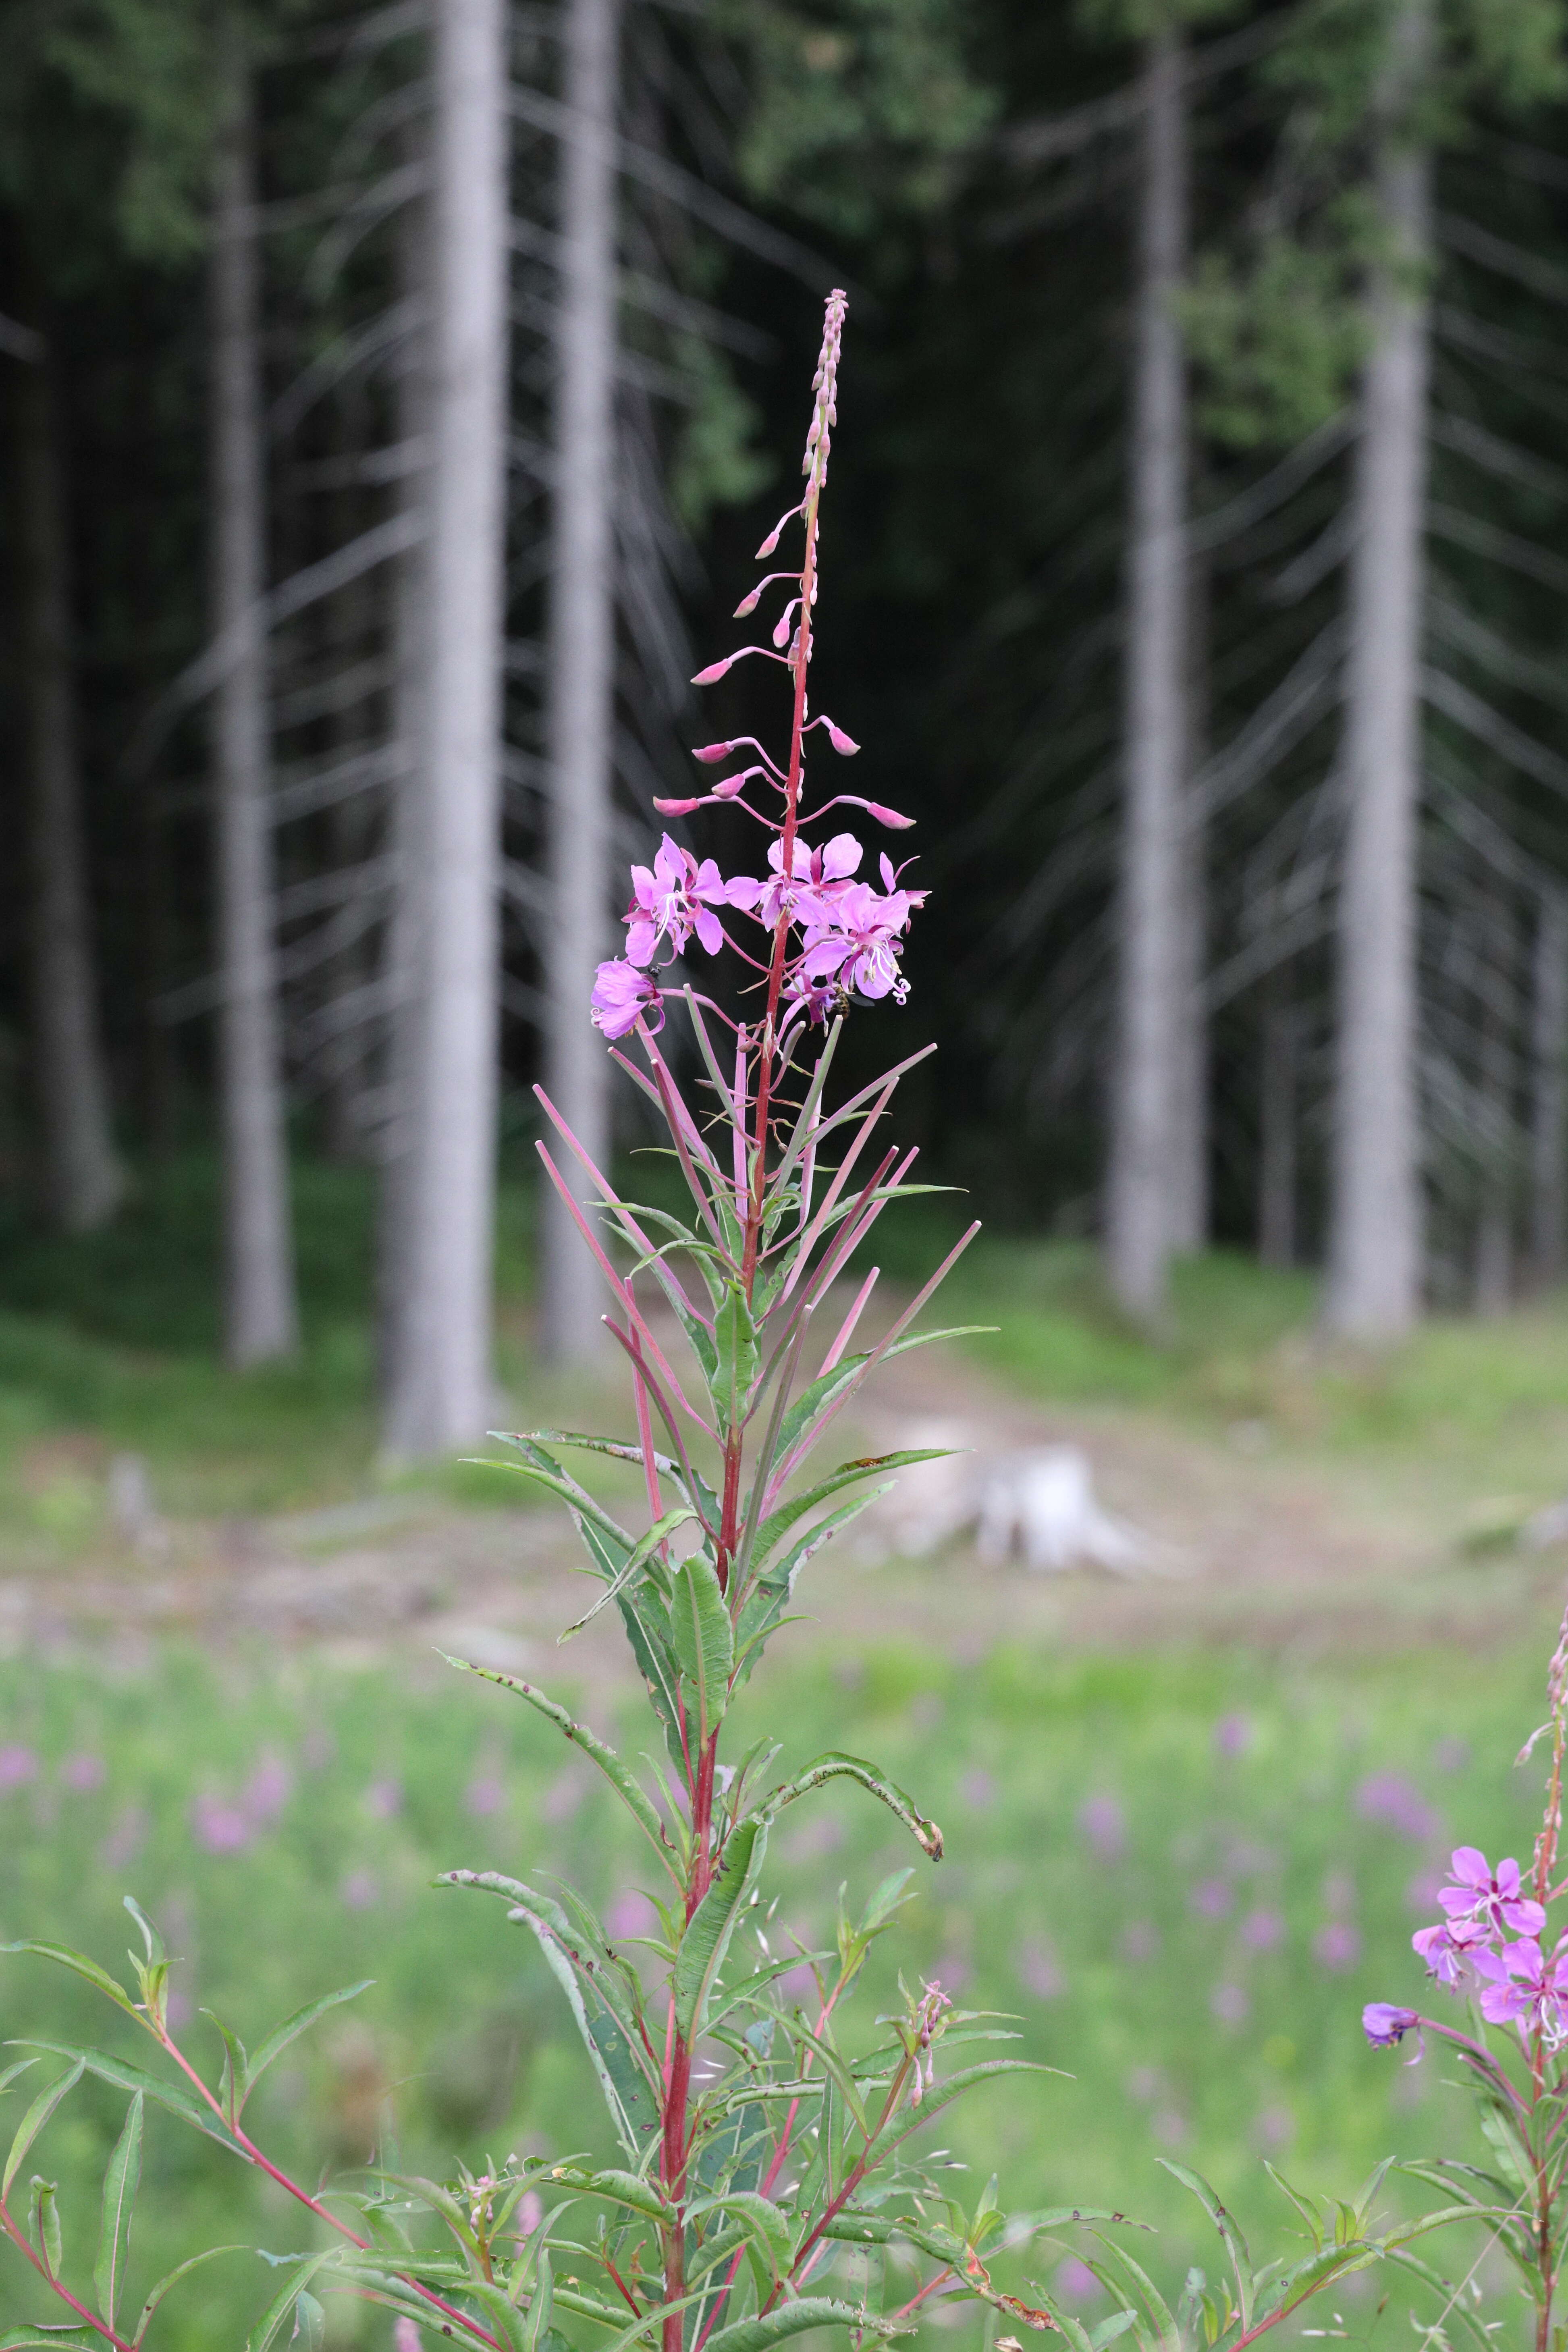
(707,1937)
(171,2280)
(793,2319)
(869,1777)
(33,2122)
(44,2215)
(638,1559)
(121,2183)
(279,2039)
(704,1637)
(735,1352)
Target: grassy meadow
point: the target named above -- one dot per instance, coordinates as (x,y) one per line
(1183,1871)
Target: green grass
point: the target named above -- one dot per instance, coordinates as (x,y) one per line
(1189,1932)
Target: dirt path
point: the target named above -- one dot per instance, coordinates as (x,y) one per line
(1261,1543)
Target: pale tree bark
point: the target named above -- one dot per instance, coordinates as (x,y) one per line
(441,1390)
(1189,1122)
(1549,1090)
(1155,875)
(582,655)
(1280,1093)
(1375,1241)
(83,1180)
(1494,1224)
(410,667)
(260,1315)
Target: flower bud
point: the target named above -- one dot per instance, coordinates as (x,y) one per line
(708,752)
(715,671)
(844,745)
(677,808)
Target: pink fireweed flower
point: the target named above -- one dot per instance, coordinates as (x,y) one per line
(1449,1948)
(1492,1899)
(621,995)
(1384,2024)
(1528,1989)
(671,900)
(854,940)
(816,877)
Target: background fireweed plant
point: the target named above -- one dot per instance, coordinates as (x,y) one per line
(769,2183)
(1497,1949)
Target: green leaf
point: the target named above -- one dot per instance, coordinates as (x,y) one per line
(171,2280)
(36,2116)
(234,2080)
(279,2038)
(121,2183)
(626,2188)
(764,2225)
(848,1473)
(624,2079)
(543,1472)
(83,1967)
(629,1789)
(869,1777)
(1456,2306)
(703,1638)
(12,2073)
(762,1612)
(284,2304)
(789,2319)
(1229,2230)
(941,2094)
(127,2077)
(44,2215)
(736,1349)
(309,2323)
(638,1559)
(656,1667)
(707,1937)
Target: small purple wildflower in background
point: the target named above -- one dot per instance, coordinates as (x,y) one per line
(1075,2281)
(1276,2128)
(182,2008)
(1143,2084)
(1211,1898)
(359,1891)
(1140,1940)
(1384,2024)
(267,1791)
(1337,1946)
(406,2337)
(631,1913)
(219,1827)
(384,1800)
(978,1789)
(1422,1891)
(1262,1930)
(317,1748)
(1169,2128)
(1396,1803)
(484,1795)
(83,1773)
(530,2212)
(1451,1754)
(1233,1735)
(812,1839)
(1230,2004)
(18,1765)
(952,1972)
(1039,1971)
(1104,1825)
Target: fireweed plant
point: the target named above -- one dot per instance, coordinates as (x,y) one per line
(766,2181)
(1497,1951)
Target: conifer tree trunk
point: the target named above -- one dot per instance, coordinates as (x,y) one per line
(1190,1125)
(1277,1156)
(1141,1206)
(440,1393)
(260,1314)
(1376,1243)
(582,653)
(1549,1090)
(83,1180)
(410,664)
(1494,1225)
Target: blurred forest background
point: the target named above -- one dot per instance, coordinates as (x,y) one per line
(391,396)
